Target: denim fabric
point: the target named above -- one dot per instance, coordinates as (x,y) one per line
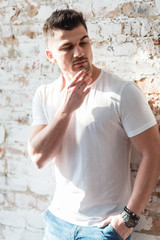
(58,229)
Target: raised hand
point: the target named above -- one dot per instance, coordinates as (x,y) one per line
(76,92)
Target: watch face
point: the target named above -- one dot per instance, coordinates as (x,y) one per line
(129,221)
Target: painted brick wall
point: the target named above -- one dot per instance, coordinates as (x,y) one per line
(125,40)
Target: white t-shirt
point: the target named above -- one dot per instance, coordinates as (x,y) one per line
(93,168)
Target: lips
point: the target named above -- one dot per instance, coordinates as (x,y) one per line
(79,62)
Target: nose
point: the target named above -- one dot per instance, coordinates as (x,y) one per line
(78,52)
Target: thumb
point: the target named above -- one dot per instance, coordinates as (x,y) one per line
(105,222)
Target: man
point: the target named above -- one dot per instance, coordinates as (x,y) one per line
(86,120)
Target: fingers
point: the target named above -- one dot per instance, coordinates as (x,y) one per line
(105,222)
(79,78)
(83,83)
(76,78)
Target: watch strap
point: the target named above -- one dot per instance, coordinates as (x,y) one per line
(131,214)
(130,218)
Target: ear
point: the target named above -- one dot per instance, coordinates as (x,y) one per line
(50,56)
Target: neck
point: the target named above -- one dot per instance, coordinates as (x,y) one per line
(95,73)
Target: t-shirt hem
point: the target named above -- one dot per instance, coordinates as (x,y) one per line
(142,129)
(73,220)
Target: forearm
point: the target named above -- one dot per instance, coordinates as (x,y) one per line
(45,144)
(145,182)
(146,179)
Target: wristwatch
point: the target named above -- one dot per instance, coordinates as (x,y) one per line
(130,218)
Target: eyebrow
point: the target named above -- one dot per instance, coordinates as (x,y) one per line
(69,43)
(85,36)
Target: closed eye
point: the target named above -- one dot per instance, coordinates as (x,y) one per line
(68,48)
(83,43)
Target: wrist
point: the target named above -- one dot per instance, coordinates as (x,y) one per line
(130,218)
(135,208)
(63,113)
(66,111)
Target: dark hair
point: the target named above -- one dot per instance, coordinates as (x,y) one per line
(66,19)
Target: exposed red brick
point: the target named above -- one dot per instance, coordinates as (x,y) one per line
(156,226)
(2,151)
(114,13)
(128,8)
(156,41)
(12,40)
(29,34)
(32,11)
(123,28)
(149,85)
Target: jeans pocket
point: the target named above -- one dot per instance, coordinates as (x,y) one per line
(110,233)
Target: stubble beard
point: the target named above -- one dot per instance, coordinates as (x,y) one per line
(85,66)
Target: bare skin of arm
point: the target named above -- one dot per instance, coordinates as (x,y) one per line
(45,140)
(148,145)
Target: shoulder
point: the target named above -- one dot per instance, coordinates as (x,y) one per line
(113,80)
(132,89)
(45,90)
(114,84)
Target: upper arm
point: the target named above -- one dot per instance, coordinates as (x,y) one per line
(39,117)
(135,113)
(147,142)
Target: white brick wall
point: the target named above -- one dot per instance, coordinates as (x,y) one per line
(125,40)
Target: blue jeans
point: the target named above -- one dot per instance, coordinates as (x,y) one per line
(58,229)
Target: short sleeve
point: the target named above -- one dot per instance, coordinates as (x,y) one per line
(38,114)
(136,115)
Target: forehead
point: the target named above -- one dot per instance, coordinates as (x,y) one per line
(63,36)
